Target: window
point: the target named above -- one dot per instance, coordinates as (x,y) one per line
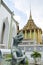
(3,29)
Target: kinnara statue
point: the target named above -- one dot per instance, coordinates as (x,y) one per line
(18,57)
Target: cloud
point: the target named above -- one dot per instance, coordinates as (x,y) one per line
(36,8)
(18,19)
(21,5)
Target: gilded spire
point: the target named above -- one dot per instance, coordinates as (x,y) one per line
(30,11)
(30,15)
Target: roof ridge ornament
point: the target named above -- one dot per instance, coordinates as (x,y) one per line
(30,18)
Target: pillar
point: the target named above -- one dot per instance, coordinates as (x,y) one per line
(10,32)
(30,34)
(38,36)
(34,34)
(25,34)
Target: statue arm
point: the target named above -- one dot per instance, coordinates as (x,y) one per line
(20,58)
(14,55)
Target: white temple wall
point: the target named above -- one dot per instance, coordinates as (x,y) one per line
(3,15)
(14,31)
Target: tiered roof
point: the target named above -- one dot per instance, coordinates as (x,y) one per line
(30,24)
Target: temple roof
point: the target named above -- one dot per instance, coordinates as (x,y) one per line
(30,24)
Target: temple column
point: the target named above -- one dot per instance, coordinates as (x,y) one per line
(25,34)
(30,34)
(38,36)
(10,32)
(34,34)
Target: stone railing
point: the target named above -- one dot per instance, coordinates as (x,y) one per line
(31,48)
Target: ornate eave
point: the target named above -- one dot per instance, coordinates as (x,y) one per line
(30,24)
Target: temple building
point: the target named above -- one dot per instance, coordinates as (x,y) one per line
(32,32)
(8,26)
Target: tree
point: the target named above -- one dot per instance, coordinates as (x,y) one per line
(35,55)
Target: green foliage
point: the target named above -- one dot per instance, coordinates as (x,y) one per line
(8,56)
(27,62)
(36,54)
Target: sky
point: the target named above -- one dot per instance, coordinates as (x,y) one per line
(21,10)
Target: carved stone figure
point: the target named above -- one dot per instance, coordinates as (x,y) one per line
(17,55)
